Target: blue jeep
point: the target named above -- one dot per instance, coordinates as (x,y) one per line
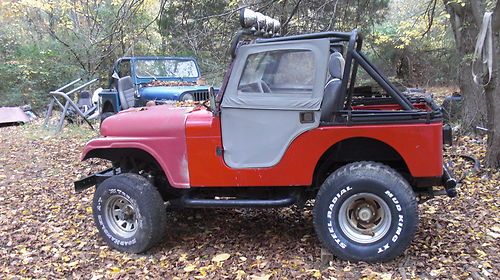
(137,80)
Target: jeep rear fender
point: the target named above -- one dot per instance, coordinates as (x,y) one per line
(357,149)
(174,165)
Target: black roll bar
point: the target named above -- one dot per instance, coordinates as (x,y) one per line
(382,82)
(383,77)
(353,36)
(236,40)
(359,44)
(319,35)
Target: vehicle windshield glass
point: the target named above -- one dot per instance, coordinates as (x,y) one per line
(166,68)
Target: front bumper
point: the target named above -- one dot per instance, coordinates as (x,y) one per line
(94,180)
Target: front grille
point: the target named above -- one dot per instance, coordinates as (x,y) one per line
(200,95)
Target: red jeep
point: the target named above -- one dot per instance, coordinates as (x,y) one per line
(288,125)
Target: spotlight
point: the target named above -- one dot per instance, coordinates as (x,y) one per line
(259,22)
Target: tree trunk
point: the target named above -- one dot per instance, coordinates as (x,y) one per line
(474,104)
(492,91)
(465,30)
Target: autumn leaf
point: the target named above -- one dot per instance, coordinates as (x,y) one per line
(115,269)
(260,277)
(221,257)
(189,267)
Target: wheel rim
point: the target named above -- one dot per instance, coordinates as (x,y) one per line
(121,216)
(365,218)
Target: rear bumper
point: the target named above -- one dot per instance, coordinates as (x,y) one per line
(447,135)
(94,180)
(449,182)
(428,185)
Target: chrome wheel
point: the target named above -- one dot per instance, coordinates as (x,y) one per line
(365,218)
(120,215)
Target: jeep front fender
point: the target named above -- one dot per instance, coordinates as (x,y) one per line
(169,153)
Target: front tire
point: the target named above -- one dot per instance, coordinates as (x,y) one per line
(129,213)
(366,211)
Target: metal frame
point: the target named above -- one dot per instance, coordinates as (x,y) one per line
(58,94)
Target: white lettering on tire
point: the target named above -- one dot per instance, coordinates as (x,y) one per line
(399,229)
(329,216)
(105,229)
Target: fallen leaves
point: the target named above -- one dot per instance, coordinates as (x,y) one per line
(47,230)
(221,257)
(260,277)
(189,267)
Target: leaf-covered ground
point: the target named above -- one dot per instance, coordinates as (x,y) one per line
(46,229)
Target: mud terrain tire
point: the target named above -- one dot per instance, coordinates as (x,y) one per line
(365,211)
(129,213)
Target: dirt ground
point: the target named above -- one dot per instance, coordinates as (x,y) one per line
(46,229)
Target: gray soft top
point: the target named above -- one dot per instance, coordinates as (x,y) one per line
(320,49)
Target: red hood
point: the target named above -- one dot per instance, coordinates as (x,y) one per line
(160,121)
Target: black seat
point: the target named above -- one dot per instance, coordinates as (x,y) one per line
(126,91)
(333,99)
(84,101)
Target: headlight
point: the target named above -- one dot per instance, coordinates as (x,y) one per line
(187,97)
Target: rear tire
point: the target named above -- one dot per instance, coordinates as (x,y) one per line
(129,213)
(366,211)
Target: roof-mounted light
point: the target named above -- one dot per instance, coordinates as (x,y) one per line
(259,23)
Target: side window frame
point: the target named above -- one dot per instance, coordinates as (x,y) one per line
(320,49)
(277,70)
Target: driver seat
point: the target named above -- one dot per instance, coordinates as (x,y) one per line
(333,99)
(126,92)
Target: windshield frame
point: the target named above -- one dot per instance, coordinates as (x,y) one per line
(167,78)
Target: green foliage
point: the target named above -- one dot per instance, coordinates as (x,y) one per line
(204,28)
(414,43)
(30,69)
(45,43)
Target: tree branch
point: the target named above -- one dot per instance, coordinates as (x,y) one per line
(430,12)
(295,9)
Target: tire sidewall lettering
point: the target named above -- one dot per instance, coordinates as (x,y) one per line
(100,219)
(399,225)
(380,246)
(331,206)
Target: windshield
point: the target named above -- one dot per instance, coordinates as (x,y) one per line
(166,68)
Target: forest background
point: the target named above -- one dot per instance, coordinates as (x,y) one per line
(44,44)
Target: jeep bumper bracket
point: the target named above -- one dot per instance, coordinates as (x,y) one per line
(94,179)
(449,182)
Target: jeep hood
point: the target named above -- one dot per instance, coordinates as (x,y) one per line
(154,121)
(166,92)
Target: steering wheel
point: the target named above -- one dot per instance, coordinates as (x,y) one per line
(263,87)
